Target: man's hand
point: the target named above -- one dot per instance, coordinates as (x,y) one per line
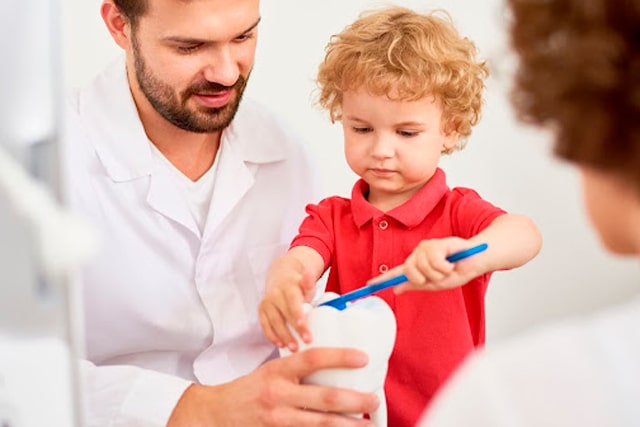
(273,395)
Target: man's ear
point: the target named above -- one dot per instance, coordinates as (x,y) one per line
(116,23)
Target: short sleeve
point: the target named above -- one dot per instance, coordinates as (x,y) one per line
(470,213)
(317,229)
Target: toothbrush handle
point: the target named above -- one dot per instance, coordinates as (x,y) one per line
(375,287)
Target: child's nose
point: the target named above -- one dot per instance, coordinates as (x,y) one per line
(382,147)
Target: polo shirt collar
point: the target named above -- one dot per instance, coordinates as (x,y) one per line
(411,213)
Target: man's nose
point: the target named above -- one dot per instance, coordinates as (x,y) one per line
(222,67)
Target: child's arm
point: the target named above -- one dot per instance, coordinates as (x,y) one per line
(512,241)
(291,281)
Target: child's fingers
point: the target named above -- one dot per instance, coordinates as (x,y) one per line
(432,265)
(403,288)
(295,315)
(267,329)
(395,271)
(416,275)
(278,325)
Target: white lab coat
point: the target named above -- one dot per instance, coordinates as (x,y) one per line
(163,304)
(578,373)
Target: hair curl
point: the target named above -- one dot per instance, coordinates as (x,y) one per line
(399,53)
(579,74)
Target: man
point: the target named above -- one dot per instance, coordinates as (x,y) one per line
(194,193)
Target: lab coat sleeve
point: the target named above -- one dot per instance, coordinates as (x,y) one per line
(119,396)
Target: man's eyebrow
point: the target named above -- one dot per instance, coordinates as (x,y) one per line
(255,24)
(193,40)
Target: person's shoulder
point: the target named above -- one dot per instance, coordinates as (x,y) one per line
(470,198)
(330,207)
(464,192)
(104,86)
(528,374)
(335,202)
(257,131)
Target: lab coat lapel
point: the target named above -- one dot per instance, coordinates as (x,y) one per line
(165,198)
(124,148)
(233,180)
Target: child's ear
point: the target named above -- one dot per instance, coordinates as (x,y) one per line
(450,141)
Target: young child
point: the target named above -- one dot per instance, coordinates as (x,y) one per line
(407,88)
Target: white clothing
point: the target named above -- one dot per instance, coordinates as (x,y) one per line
(580,373)
(164,304)
(197,194)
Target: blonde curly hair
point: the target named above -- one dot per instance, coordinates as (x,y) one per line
(404,55)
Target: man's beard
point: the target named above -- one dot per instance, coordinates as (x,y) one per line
(173,107)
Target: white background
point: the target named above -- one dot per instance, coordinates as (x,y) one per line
(505,162)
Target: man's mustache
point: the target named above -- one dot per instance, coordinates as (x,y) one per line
(211,88)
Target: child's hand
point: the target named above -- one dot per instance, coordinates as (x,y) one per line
(427,267)
(288,287)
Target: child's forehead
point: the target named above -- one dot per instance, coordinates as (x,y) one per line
(396,88)
(364,105)
(393,93)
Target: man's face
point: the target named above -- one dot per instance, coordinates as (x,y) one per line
(192,60)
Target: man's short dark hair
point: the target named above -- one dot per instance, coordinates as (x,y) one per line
(132,9)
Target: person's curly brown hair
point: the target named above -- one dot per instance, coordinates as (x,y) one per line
(579,74)
(399,53)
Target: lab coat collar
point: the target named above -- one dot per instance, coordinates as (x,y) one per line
(123,146)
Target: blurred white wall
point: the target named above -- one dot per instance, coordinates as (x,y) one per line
(507,163)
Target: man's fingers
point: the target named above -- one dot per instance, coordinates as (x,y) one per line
(311,360)
(340,401)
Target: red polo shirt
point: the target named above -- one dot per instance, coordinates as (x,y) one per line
(436,330)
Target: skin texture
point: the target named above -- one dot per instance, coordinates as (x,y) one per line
(613,207)
(187,64)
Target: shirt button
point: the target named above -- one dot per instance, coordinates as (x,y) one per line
(383,225)
(383,268)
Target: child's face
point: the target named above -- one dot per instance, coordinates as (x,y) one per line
(394,146)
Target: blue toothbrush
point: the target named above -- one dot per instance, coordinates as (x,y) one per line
(341,302)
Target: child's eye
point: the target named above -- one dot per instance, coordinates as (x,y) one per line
(361,129)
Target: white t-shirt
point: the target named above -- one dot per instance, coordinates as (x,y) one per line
(197,194)
(579,373)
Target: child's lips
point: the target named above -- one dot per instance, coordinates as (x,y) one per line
(382,172)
